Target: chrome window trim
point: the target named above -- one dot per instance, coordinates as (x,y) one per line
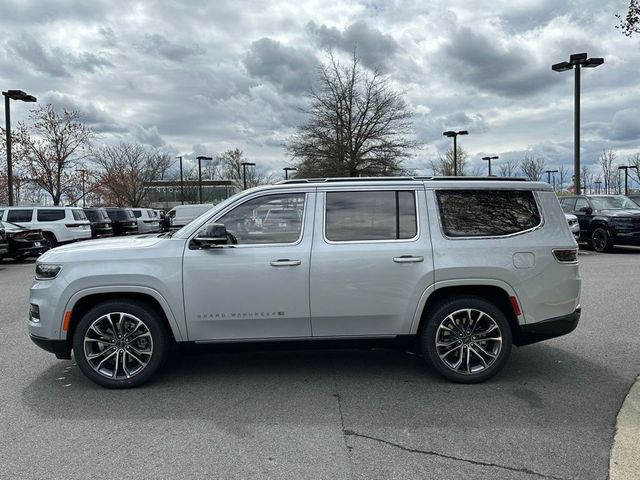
(489,237)
(359,242)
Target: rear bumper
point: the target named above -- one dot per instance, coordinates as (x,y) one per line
(551,328)
(60,348)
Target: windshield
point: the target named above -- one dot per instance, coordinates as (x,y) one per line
(192,226)
(617,202)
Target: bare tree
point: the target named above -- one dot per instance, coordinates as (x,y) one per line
(634,161)
(125,168)
(230,168)
(508,168)
(532,167)
(357,125)
(607,163)
(51,147)
(444,165)
(586,179)
(630,23)
(563,172)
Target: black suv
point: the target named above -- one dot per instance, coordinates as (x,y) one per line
(124,222)
(100,222)
(605,220)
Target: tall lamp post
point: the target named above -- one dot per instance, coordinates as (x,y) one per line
(181,182)
(287,170)
(82,172)
(12,95)
(597,184)
(549,172)
(454,135)
(576,61)
(626,176)
(244,172)
(200,158)
(489,160)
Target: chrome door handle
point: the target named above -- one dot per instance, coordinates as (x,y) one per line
(285,262)
(408,259)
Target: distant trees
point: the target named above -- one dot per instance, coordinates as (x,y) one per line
(229,166)
(49,149)
(508,168)
(630,23)
(609,170)
(357,125)
(124,170)
(532,167)
(444,165)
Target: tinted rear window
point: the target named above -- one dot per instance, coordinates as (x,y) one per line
(137,213)
(22,215)
(486,213)
(118,214)
(93,215)
(51,215)
(79,215)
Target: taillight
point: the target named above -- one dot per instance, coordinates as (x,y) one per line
(267,222)
(568,255)
(21,235)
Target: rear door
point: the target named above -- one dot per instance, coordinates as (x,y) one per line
(371,260)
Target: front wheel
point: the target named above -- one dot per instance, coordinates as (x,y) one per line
(600,240)
(467,339)
(120,344)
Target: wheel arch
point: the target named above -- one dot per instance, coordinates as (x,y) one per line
(497,292)
(83,301)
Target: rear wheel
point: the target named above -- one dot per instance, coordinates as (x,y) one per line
(50,239)
(120,344)
(467,339)
(600,240)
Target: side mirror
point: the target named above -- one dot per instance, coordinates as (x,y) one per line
(212,235)
(586,210)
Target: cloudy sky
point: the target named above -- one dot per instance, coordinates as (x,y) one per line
(201,77)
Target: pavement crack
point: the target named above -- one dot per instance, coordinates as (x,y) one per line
(351,433)
(344,431)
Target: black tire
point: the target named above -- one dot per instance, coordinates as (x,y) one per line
(151,344)
(600,240)
(51,239)
(454,344)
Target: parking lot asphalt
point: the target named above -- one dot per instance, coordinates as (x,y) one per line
(327,414)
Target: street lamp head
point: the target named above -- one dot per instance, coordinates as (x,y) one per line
(202,157)
(463,132)
(577,58)
(248,164)
(19,95)
(449,133)
(561,67)
(487,158)
(593,62)
(495,158)
(290,169)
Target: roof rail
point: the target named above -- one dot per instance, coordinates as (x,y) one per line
(386,179)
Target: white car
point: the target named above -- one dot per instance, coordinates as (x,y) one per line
(148,221)
(180,215)
(574,225)
(58,224)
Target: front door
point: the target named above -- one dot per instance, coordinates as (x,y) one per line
(371,261)
(259,286)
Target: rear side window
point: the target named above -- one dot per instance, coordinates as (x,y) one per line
(362,216)
(137,213)
(50,215)
(92,215)
(79,215)
(486,213)
(567,204)
(19,215)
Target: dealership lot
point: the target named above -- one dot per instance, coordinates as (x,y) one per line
(332,414)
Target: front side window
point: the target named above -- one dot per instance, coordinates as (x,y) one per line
(581,203)
(567,204)
(365,216)
(267,219)
(486,213)
(23,215)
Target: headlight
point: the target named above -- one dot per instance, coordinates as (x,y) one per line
(47,271)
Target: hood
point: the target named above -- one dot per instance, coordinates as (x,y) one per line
(630,212)
(99,249)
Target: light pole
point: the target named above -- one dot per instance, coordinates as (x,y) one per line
(626,176)
(200,158)
(12,95)
(287,170)
(181,182)
(549,172)
(82,172)
(451,133)
(489,160)
(597,184)
(244,172)
(576,61)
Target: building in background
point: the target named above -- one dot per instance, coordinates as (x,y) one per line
(165,194)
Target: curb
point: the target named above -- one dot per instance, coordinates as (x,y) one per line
(624,463)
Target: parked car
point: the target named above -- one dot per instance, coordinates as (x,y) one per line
(58,224)
(100,222)
(24,242)
(605,220)
(148,221)
(574,225)
(123,221)
(4,243)
(181,215)
(466,267)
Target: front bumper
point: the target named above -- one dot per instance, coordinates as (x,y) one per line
(551,328)
(60,348)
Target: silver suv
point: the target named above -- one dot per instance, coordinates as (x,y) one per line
(465,266)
